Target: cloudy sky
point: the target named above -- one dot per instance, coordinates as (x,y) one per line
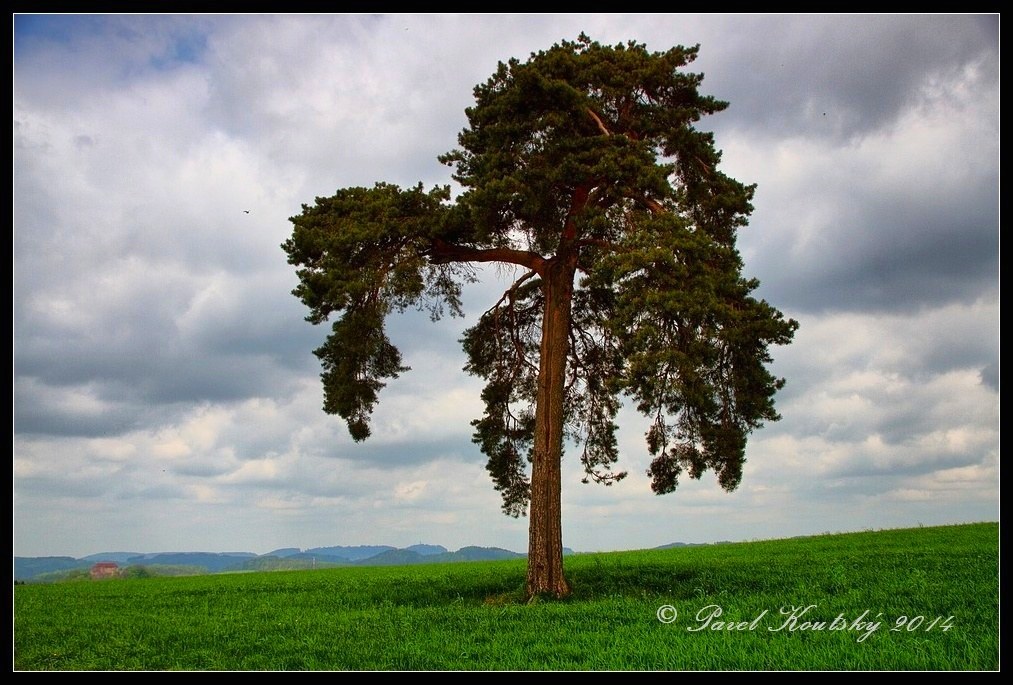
(165,393)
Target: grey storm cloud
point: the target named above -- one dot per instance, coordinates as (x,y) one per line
(890,254)
(62,486)
(890,234)
(862,468)
(837,76)
(990,375)
(36,412)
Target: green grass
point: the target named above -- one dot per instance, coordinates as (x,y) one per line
(470,616)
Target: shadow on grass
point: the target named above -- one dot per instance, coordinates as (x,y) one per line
(595,577)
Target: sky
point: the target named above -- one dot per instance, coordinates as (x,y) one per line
(166,397)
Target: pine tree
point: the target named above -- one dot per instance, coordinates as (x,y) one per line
(583,168)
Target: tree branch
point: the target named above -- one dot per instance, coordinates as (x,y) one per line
(579,201)
(511,291)
(442,252)
(655,206)
(597,120)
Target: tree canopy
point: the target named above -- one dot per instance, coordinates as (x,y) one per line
(583,168)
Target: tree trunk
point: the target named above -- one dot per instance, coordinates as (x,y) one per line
(545,532)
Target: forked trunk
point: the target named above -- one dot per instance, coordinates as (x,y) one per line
(545,533)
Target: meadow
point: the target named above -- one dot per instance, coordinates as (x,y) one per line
(921,598)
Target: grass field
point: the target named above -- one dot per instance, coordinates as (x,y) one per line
(933,592)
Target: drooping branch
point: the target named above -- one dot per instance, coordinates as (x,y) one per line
(511,291)
(498,347)
(507,303)
(442,252)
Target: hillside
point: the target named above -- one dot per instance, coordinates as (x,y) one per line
(920,599)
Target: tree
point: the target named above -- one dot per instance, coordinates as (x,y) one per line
(582,168)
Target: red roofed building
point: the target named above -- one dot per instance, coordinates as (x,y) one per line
(104,569)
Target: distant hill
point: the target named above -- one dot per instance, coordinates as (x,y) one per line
(673,545)
(289,563)
(118,557)
(395,557)
(483,554)
(285,558)
(351,553)
(322,558)
(426,550)
(213,562)
(405,557)
(28,567)
(283,552)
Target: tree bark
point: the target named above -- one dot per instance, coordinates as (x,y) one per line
(545,532)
